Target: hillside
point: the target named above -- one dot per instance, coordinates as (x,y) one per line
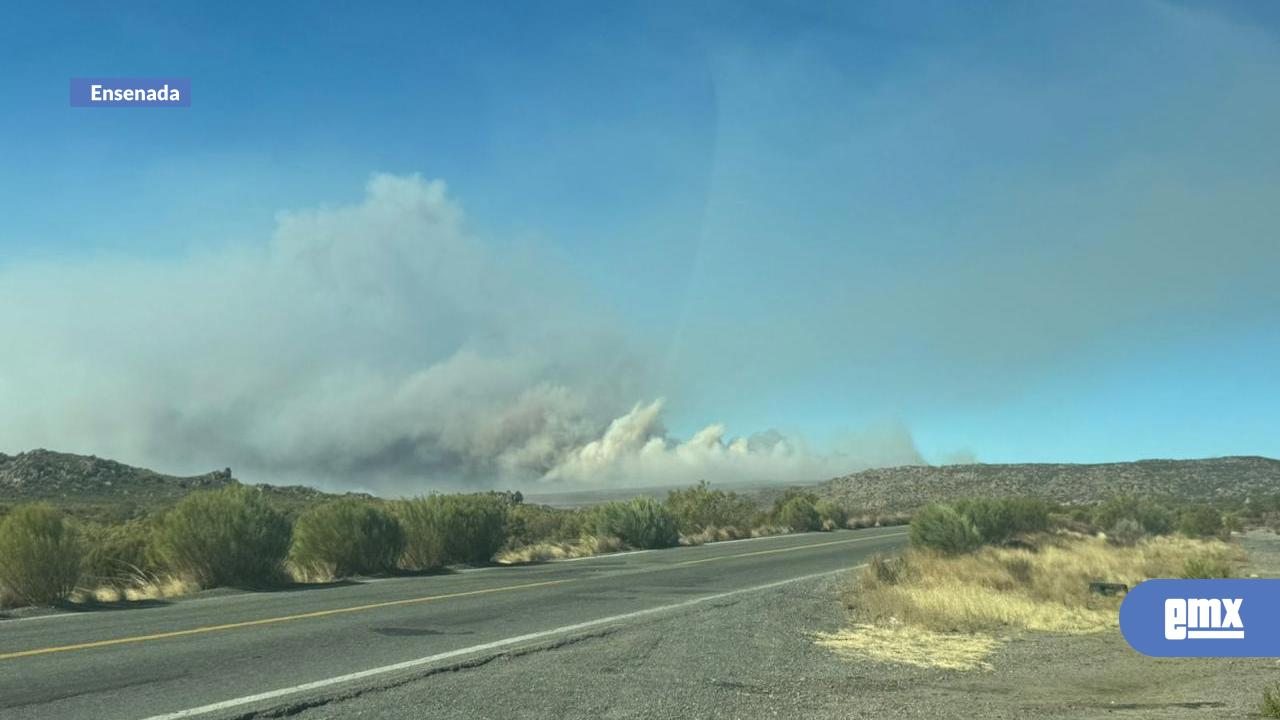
(899,488)
(95,487)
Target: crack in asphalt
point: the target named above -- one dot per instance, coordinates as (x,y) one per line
(294,708)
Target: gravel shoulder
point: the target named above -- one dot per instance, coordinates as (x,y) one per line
(753,656)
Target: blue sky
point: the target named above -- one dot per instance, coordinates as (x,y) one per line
(1030,231)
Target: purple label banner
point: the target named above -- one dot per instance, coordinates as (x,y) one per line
(131,92)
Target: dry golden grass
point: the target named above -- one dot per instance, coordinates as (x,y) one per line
(314,573)
(714,534)
(912,646)
(597,545)
(142,588)
(542,552)
(959,604)
(1048,589)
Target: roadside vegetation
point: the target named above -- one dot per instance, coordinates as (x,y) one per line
(240,536)
(39,556)
(345,537)
(978,571)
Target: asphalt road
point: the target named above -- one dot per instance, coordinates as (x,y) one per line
(236,655)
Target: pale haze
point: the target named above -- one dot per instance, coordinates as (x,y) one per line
(652,246)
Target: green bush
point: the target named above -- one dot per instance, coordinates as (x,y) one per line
(800,513)
(118,554)
(344,537)
(39,555)
(1154,518)
(831,514)
(476,527)
(529,524)
(640,522)
(422,521)
(941,527)
(1206,567)
(1126,532)
(699,507)
(230,537)
(1200,521)
(998,519)
(444,529)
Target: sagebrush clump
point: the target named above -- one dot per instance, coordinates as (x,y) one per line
(698,508)
(39,556)
(228,537)
(943,528)
(640,522)
(444,529)
(346,537)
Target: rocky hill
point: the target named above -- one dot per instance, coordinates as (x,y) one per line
(93,486)
(901,488)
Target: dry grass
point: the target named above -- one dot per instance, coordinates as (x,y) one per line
(960,604)
(142,588)
(997,588)
(714,534)
(312,573)
(598,545)
(542,552)
(912,646)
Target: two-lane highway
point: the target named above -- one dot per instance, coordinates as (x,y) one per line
(228,655)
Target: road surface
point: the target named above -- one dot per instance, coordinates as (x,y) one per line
(237,655)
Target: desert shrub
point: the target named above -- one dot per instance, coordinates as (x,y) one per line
(998,519)
(118,554)
(1206,567)
(831,514)
(531,524)
(444,529)
(641,522)
(1126,532)
(699,507)
(942,528)
(800,513)
(1271,701)
(424,527)
(348,536)
(1200,521)
(39,555)
(475,527)
(1154,518)
(1232,523)
(231,536)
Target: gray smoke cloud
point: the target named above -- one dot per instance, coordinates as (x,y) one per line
(378,346)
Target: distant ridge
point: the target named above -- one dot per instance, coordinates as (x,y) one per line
(90,483)
(900,488)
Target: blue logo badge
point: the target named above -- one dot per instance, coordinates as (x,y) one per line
(1203,618)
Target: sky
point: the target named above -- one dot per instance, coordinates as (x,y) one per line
(419,245)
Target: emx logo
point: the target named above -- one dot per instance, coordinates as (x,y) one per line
(1203,618)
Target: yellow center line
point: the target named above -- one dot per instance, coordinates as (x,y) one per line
(392,603)
(272,620)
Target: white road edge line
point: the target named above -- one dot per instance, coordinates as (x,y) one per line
(496,644)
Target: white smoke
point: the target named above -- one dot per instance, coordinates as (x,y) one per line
(380,346)
(636,448)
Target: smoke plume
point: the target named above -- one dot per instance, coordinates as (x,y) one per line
(380,346)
